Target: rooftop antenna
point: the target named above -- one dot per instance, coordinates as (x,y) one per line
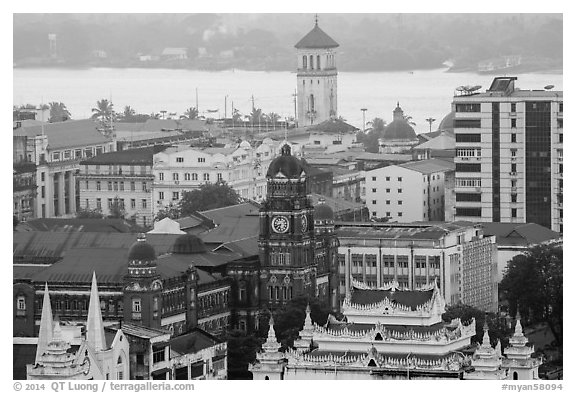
(42,110)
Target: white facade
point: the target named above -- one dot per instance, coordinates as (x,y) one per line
(460,259)
(504,138)
(183,168)
(405,195)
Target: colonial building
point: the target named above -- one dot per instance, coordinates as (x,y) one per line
(413,191)
(399,136)
(316,78)
(509,155)
(57,149)
(63,352)
(456,255)
(119,183)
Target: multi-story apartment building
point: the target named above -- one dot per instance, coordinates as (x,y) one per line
(57,149)
(456,255)
(413,191)
(509,155)
(119,182)
(184,168)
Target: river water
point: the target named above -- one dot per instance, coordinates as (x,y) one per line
(421,94)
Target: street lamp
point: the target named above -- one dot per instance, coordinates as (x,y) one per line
(430,120)
(363,119)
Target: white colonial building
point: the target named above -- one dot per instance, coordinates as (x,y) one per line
(413,191)
(184,168)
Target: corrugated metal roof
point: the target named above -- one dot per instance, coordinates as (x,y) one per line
(71,133)
(429,166)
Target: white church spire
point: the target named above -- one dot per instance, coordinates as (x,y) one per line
(46,325)
(94,325)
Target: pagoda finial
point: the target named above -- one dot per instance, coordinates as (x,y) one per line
(486,338)
(316,19)
(46,332)
(518,327)
(308,320)
(94,325)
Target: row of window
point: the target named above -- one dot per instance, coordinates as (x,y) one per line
(118,202)
(274,293)
(190,176)
(118,186)
(117,169)
(77,153)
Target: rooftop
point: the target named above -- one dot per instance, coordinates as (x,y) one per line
(429,166)
(316,39)
(110,225)
(193,342)
(333,126)
(70,133)
(408,231)
(142,156)
(410,299)
(367,156)
(232,223)
(512,234)
(140,331)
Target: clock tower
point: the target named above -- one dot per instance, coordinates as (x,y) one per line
(286,242)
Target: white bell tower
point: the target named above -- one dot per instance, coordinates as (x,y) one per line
(316,77)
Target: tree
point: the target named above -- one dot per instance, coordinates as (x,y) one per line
(58,112)
(370,138)
(87,213)
(128,113)
(409,120)
(242,350)
(208,196)
(497,326)
(191,113)
(171,211)
(256,115)
(533,284)
(117,209)
(104,111)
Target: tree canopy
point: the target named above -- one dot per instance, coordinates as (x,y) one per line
(208,196)
(58,112)
(498,328)
(104,110)
(533,284)
(370,138)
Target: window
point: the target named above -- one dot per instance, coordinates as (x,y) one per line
(121,186)
(194,176)
(468,197)
(468,107)
(373,202)
(219,177)
(399,214)
(144,186)
(179,159)
(109,186)
(399,202)
(98,185)
(161,195)
(513,123)
(158,355)
(186,176)
(513,183)
(399,191)
(304,62)
(388,202)
(387,190)
(514,198)
(43,176)
(399,178)
(175,195)
(206,177)
(468,138)
(387,178)
(56,156)
(132,186)
(513,138)
(513,167)
(514,213)
(373,178)
(136,305)
(115,186)
(387,214)
(88,152)
(161,176)
(469,211)
(144,204)
(175,177)
(373,190)
(460,167)
(513,107)
(98,204)
(21,303)
(467,123)
(109,203)
(201,159)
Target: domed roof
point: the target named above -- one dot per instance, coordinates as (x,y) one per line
(447,123)
(290,166)
(245,144)
(322,211)
(399,129)
(188,244)
(141,250)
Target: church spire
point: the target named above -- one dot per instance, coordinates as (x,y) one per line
(94,325)
(46,325)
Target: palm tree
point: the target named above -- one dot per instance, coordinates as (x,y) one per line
(58,112)
(104,110)
(191,113)
(409,120)
(128,112)
(256,115)
(377,124)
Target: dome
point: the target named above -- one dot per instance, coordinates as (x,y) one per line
(399,129)
(141,250)
(188,244)
(447,123)
(323,212)
(245,145)
(290,166)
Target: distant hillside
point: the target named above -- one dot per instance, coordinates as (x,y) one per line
(368,42)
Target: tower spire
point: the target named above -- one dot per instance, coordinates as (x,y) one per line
(94,326)
(271,344)
(486,338)
(316,19)
(46,325)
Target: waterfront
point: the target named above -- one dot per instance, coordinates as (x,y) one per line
(422,94)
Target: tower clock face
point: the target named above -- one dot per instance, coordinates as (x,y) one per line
(280,224)
(304,223)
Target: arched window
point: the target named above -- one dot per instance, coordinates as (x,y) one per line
(312,102)
(304,62)
(311,62)
(515,376)
(378,337)
(266,378)
(318,61)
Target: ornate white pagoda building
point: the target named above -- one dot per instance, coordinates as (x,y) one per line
(387,333)
(64,353)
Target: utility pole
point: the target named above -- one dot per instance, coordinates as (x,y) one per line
(430,120)
(225,106)
(295,114)
(197,108)
(232,115)
(363,119)
(252,102)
